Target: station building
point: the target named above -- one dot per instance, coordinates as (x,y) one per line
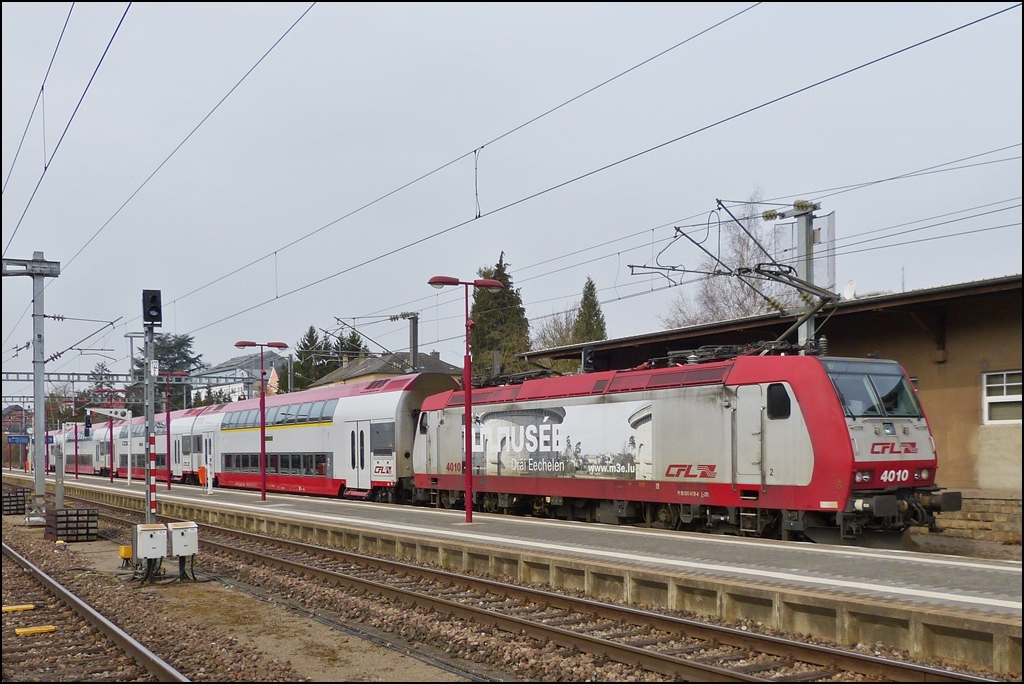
(961,346)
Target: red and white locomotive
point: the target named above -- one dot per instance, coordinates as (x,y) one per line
(823,448)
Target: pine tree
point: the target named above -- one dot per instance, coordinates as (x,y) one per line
(501,323)
(589,324)
(307,355)
(174,352)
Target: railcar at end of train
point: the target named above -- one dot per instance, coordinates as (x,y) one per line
(85,454)
(352,440)
(793,447)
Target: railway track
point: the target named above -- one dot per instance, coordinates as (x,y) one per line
(61,638)
(671,646)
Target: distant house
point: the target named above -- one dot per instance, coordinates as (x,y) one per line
(386,366)
(16,419)
(247,370)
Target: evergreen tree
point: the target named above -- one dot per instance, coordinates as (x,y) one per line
(175,354)
(308,352)
(501,322)
(589,324)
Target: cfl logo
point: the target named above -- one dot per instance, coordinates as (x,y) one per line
(704,472)
(894,449)
(381,469)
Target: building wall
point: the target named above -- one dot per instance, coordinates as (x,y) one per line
(947,348)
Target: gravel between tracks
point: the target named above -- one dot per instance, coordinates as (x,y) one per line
(212,633)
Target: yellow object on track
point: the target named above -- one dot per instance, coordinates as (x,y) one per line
(26,631)
(14,609)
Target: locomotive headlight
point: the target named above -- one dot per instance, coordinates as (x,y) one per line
(862,476)
(922,474)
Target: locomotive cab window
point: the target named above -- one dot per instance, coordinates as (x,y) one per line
(423,423)
(778,402)
(873,389)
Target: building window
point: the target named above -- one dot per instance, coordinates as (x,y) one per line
(1002,397)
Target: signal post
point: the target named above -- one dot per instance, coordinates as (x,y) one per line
(152,317)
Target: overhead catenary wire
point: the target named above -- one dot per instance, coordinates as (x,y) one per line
(385,196)
(39,95)
(474,152)
(611,165)
(187,137)
(49,161)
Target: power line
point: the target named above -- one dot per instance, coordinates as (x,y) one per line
(57,146)
(38,96)
(608,166)
(191,133)
(474,151)
(680,223)
(938,168)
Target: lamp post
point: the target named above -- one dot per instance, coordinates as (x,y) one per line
(467,375)
(243,344)
(167,414)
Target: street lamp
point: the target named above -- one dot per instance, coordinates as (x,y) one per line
(242,344)
(167,414)
(467,375)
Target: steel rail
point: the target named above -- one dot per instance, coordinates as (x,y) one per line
(808,653)
(142,655)
(623,653)
(800,651)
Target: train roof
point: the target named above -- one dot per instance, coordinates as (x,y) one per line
(394,384)
(740,369)
(605,382)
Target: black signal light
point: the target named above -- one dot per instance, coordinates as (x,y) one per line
(152,312)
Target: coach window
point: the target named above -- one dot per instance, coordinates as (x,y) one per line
(307,464)
(271,463)
(124,433)
(1002,398)
(272,415)
(778,402)
(328,413)
(304,412)
(321,465)
(289,413)
(314,413)
(229,462)
(186,445)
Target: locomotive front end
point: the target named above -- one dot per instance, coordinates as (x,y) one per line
(892,486)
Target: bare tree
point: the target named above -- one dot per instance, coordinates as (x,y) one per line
(556,330)
(721,297)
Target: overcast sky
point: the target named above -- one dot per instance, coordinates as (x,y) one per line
(357,101)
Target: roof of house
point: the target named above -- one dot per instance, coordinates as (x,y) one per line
(247,363)
(867,302)
(387,364)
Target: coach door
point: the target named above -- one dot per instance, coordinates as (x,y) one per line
(748,425)
(358,447)
(208,458)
